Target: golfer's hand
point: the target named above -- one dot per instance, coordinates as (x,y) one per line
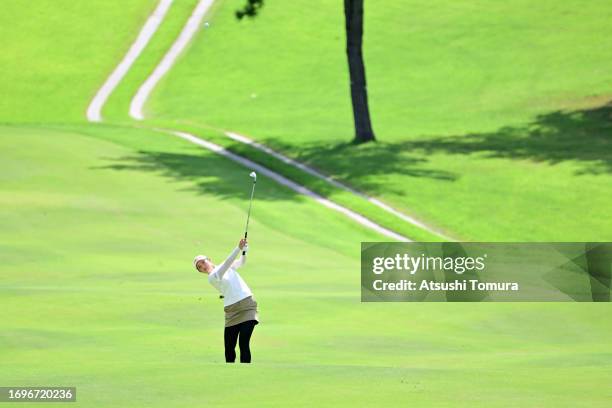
(242,243)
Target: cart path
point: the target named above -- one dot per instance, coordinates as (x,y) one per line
(189,30)
(94,111)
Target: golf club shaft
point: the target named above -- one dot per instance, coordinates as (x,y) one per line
(246,229)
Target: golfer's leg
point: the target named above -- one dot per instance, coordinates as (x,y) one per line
(246,329)
(230,336)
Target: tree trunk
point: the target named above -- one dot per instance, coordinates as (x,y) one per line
(353,12)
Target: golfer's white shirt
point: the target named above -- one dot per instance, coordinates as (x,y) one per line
(227,281)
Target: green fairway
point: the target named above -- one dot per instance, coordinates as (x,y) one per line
(492,118)
(99,292)
(99,223)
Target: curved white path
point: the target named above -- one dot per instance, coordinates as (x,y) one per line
(137,104)
(94,110)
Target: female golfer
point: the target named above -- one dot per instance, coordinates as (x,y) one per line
(239,305)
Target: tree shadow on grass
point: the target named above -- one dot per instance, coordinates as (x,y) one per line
(216,175)
(580,136)
(366,167)
(206,174)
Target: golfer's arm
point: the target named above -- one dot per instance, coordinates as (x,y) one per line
(227,263)
(242,260)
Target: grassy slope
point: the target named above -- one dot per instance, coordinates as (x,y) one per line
(486,112)
(98,292)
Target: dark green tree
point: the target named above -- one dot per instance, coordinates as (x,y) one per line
(250,9)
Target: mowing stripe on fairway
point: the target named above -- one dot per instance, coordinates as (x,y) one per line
(168,60)
(335,183)
(288,183)
(94,111)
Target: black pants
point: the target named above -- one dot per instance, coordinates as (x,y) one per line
(241,333)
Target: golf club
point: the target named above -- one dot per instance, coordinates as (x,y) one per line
(253,175)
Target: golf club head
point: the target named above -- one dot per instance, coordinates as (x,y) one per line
(254,176)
